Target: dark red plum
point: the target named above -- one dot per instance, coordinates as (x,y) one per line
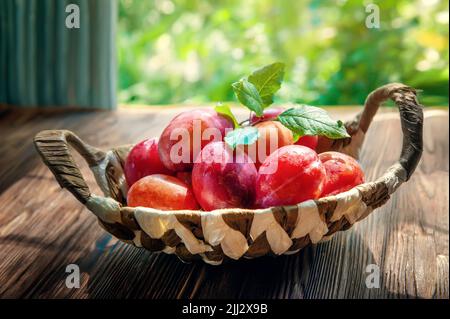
(299,176)
(343,173)
(143,160)
(223,178)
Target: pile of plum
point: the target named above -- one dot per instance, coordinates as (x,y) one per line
(185,169)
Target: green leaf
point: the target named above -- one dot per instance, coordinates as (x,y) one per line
(242,136)
(295,137)
(225,110)
(311,120)
(267,81)
(248,95)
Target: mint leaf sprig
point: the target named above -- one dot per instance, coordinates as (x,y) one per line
(225,110)
(267,81)
(248,95)
(310,120)
(256,92)
(242,136)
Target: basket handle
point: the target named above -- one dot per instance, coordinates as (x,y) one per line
(53,147)
(411,116)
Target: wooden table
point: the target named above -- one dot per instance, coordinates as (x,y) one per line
(43,228)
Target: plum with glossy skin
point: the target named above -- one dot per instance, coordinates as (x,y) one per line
(269,132)
(343,173)
(183,138)
(299,176)
(268,114)
(223,178)
(143,160)
(161,192)
(308,141)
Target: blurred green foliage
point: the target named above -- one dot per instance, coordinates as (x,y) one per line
(174,51)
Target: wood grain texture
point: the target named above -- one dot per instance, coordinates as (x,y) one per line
(43,229)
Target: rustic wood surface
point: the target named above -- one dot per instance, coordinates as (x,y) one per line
(43,228)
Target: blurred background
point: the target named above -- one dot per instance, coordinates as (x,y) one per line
(176,51)
(190,51)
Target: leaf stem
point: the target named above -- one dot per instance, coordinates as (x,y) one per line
(243,122)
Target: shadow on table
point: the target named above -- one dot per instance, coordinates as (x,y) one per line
(335,269)
(327,270)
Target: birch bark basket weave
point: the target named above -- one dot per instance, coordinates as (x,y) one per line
(226,234)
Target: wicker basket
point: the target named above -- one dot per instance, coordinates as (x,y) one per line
(236,233)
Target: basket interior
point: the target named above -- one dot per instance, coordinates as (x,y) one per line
(110,172)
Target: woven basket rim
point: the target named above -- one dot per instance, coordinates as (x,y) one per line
(329,214)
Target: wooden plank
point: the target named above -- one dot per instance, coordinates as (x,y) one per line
(43,229)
